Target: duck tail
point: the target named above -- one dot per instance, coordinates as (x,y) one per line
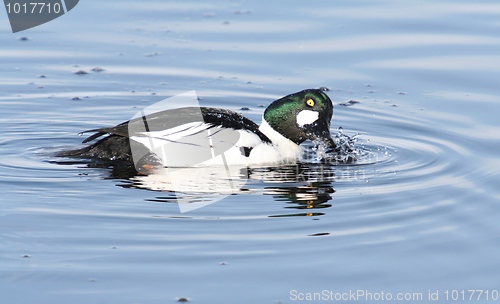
(111,147)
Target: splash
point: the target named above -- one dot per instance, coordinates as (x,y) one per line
(346,150)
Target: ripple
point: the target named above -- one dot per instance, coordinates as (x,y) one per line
(393,153)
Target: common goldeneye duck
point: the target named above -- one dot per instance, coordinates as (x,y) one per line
(286,123)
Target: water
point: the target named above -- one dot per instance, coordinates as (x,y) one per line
(417,212)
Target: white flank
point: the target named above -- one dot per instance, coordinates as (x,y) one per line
(174,146)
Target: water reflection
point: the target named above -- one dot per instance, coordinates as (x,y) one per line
(311,196)
(300,186)
(303,186)
(304,198)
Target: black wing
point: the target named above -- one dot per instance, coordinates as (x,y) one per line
(171,118)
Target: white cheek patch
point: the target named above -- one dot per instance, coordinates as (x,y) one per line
(306,117)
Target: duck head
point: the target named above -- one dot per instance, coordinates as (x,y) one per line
(301,116)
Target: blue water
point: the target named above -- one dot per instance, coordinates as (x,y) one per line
(418,213)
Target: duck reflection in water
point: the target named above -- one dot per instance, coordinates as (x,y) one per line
(301,186)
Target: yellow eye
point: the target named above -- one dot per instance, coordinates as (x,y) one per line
(310,102)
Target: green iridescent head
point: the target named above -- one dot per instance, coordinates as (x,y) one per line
(301,116)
